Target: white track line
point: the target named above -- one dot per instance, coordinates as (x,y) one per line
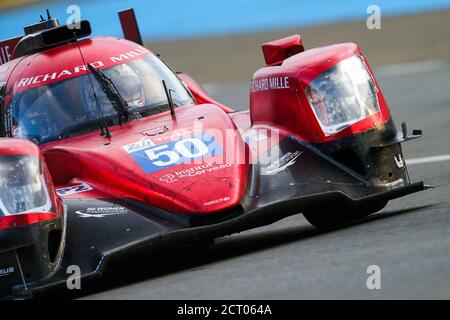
(444,157)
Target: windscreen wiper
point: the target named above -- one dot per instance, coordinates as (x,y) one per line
(88,126)
(169,99)
(111,92)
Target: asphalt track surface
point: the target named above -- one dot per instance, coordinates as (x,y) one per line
(409,239)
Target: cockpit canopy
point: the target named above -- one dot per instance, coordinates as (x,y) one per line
(45,110)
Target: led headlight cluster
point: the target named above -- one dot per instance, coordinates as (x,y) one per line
(342,95)
(22,186)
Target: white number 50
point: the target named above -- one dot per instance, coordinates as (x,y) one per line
(197,149)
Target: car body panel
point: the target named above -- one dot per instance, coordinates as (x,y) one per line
(195,172)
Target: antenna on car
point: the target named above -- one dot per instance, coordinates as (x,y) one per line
(169,99)
(48,15)
(104,130)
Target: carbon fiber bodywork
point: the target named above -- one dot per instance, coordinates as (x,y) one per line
(104,232)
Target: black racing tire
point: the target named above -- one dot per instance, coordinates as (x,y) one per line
(323,219)
(201,244)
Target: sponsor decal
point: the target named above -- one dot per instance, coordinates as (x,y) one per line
(186,150)
(4,272)
(6,49)
(56,75)
(138,146)
(193,172)
(101,212)
(146,143)
(266,84)
(155,131)
(168,178)
(286,160)
(188,132)
(399,162)
(5,54)
(210,203)
(83,187)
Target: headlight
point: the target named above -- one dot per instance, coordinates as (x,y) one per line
(342,95)
(22,186)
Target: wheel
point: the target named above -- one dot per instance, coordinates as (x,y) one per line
(201,244)
(327,218)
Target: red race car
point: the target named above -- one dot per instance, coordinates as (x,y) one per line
(107,153)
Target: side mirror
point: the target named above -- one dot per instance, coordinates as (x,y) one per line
(275,52)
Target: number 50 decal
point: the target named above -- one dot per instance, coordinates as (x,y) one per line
(197,149)
(155,158)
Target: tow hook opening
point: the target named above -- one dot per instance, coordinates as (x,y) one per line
(54,244)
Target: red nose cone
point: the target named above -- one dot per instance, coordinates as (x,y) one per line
(192,165)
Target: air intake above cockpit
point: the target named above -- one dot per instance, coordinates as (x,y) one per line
(47,34)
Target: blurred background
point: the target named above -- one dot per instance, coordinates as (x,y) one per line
(219,41)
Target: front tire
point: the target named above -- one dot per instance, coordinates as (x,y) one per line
(328,218)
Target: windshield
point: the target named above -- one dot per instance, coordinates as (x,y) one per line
(63,109)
